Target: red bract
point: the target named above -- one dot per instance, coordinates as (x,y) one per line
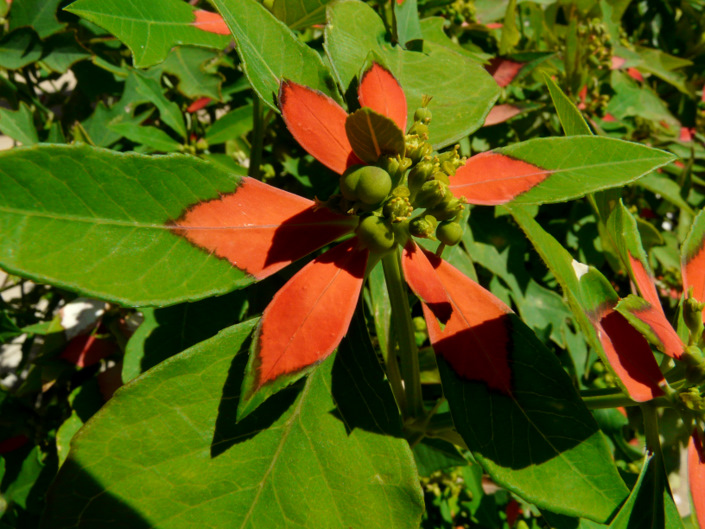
(261,229)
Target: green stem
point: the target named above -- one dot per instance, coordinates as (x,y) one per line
(257,138)
(614,399)
(404,333)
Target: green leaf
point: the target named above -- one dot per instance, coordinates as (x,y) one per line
(270,52)
(372,135)
(152,137)
(662,65)
(631,99)
(63,52)
(572,120)
(170,330)
(432,455)
(510,32)
(650,505)
(432,29)
(407,19)
(234,124)
(19,125)
(150,29)
(148,86)
(96,221)
(19,48)
(550,457)
(39,15)
(667,188)
(583,164)
(463,92)
(196,70)
(179,459)
(300,14)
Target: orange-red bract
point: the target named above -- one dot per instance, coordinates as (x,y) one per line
(654,316)
(424,282)
(477,338)
(211,22)
(317,122)
(309,316)
(261,229)
(491,178)
(504,70)
(696,475)
(501,113)
(629,355)
(694,275)
(381,92)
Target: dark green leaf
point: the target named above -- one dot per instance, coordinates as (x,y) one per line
(522,440)
(19,48)
(372,135)
(178,459)
(300,14)
(148,86)
(463,92)
(63,52)
(196,70)
(270,52)
(19,125)
(97,222)
(39,15)
(571,119)
(234,124)
(152,137)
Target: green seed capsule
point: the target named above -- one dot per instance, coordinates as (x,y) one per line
(376,234)
(366,183)
(422,114)
(449,233)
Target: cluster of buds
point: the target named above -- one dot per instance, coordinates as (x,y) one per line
(598,43)
(404,196)
(460,11)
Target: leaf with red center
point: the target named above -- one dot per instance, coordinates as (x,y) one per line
(693,258)
(492,178)
(211,22)
(696,475)
(424,282)
(317,122)
(651,322)
(305,321)
(371,135)
(381,92)
(260,229)
(545,170)
(504,70)
(625,349)
(475,341)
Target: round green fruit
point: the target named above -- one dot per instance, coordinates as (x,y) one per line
(376,234)
(449,233)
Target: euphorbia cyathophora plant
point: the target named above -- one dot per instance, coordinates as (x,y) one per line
(314,408)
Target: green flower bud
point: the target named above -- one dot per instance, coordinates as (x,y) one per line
(431,194)
(693,316)
(441,176)
(448,209)
(367,184)
(420,130)
(421,172)
(397,209)
(695,364)
(423,227)
(423,115)
(449,233)
(376,234)
(692,399)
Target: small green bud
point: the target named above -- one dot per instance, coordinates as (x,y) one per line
(441,176)
(400,191)
(421,172)
(423,227)
(390,164)
(423,115)
(420,129)
(693,316)
(376,234)
(449,233)
(448,209)
(367,183)
(692,399)
(397,209)
(695,364)
(431,194)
